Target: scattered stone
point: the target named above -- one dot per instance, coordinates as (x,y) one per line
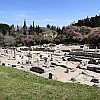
(18,62)
(96,85)
(22,66)
(63,58)
(37,69)
(72,69)
(53,66)
(50,75)
(94,68)
(74,59)
(13,65)
(95,80)
(73,79)
(67,70)
(85,72)
(3,64)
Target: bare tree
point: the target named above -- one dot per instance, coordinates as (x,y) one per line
(1,38)
(9,40)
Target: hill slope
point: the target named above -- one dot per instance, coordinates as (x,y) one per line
(21,85)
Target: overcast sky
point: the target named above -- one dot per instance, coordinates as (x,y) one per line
(43,12)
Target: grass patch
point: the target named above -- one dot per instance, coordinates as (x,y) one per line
(21,85)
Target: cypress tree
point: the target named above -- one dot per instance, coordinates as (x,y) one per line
(33,26)
(24,28)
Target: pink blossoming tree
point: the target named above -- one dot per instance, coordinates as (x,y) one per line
(72,34)
(27,40)
(94,36)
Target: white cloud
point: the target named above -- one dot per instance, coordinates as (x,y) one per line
(45,20)
(17,19)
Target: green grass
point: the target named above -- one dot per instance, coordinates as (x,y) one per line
(20,85)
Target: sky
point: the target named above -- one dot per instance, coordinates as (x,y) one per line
(53,12)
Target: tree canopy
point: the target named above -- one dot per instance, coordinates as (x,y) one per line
(89,22)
